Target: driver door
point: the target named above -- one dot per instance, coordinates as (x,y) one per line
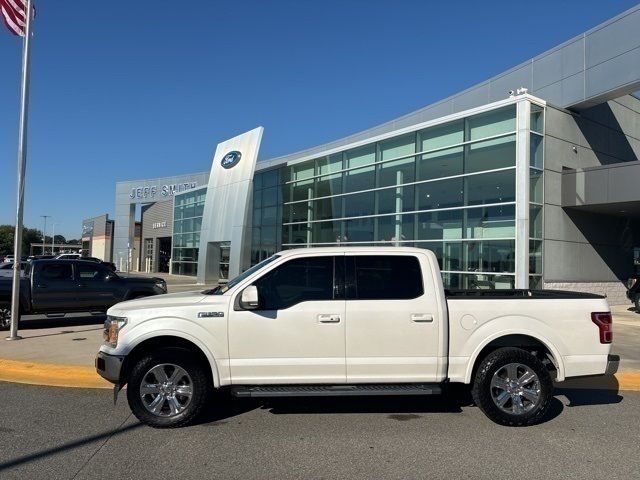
(297,334)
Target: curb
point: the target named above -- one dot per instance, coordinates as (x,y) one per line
(51,375)
(74,376)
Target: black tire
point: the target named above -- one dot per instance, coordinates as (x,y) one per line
(199,381)
(483,392)
(5,316)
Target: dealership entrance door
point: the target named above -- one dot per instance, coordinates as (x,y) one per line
(164,254)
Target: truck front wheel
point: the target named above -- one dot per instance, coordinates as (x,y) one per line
(168,388)
(512,387)
(5,316)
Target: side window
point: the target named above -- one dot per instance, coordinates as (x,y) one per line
(392,277)
(298,280)
(57,271)
(92,273)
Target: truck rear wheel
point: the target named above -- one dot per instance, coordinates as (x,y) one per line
(512,387)
(168,388)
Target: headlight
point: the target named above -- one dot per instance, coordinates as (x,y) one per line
(112,327)
(162,286)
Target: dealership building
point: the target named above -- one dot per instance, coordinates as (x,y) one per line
(530,179)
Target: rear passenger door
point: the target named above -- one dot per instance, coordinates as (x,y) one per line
(54,289)
(96,289)
(392,320)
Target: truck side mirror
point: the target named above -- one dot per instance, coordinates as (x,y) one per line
(249,298)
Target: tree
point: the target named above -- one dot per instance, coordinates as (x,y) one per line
(29,236)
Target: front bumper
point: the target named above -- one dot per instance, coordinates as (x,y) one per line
(109,366)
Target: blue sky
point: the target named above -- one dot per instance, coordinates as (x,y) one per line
(127,90)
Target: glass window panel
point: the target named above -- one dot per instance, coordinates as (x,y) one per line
(189,211)
(199,210)
(325,232)
(257,199)
(327,208)
(255,236)
(269,215)
(442,136)
(359,179)
(297,234)
(296,212)
(490,256)
(398,146)
(535,282)
(537,118)
(444,163)
(536,151)
(494,187)
(330,164)
(177,226)
(359,230)
(328,185)
(197,224)
(298,280)
(535,185)
(441,194)
(490,154)
(359,204)
(448,254)
(302,171)
(268,235)
(270,178)
(393,200)
(361,156)
(535,221)
(392,277)
(300,190)
(396,172)
(285,174)
(490,222)
(535,256)
(442,225)
(491,123)
(256,218)
(270,196)
(395,228)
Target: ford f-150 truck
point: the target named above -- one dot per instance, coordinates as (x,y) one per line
(65,286)
(352,321)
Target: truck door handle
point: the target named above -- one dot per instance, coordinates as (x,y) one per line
(422,317)
(329,318)
(82,285)
(41,286)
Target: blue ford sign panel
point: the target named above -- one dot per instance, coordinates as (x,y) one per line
(231,159)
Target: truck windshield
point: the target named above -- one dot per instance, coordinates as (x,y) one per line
(221,289)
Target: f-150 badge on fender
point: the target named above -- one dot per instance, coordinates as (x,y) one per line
(210,314)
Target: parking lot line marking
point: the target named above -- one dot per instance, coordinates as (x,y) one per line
(51,375)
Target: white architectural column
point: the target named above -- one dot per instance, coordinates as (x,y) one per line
(523,115)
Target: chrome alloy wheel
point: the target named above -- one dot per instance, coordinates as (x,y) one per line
(515,389)
(5,317)
(166,390)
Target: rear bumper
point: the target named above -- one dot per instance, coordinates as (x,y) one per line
(589,365)
(109,366)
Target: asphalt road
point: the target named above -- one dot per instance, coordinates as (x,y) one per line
(51,433)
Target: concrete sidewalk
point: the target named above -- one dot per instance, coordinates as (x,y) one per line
(73,341)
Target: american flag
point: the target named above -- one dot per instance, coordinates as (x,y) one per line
(14,15)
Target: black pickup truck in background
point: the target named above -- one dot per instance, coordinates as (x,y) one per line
(67,286)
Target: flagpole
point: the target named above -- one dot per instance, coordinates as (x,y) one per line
(22,167)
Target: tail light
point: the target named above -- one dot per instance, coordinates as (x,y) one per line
(605,324)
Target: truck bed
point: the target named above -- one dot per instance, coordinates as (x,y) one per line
(517,293)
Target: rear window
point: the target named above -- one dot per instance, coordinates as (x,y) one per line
(392,277)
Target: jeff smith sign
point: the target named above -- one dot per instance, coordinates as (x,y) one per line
(162,190)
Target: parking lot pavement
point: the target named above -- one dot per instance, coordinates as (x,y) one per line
(52,433)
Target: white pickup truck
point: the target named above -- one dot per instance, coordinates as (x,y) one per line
(352,321)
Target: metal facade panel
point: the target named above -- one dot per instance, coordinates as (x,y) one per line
(613,39)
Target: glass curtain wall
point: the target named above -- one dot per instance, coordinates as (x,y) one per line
(187,222)
(449,188)
(536,194)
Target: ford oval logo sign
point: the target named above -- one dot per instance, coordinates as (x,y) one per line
(231,159)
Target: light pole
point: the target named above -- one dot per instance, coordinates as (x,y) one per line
(44,231)
(53,238)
